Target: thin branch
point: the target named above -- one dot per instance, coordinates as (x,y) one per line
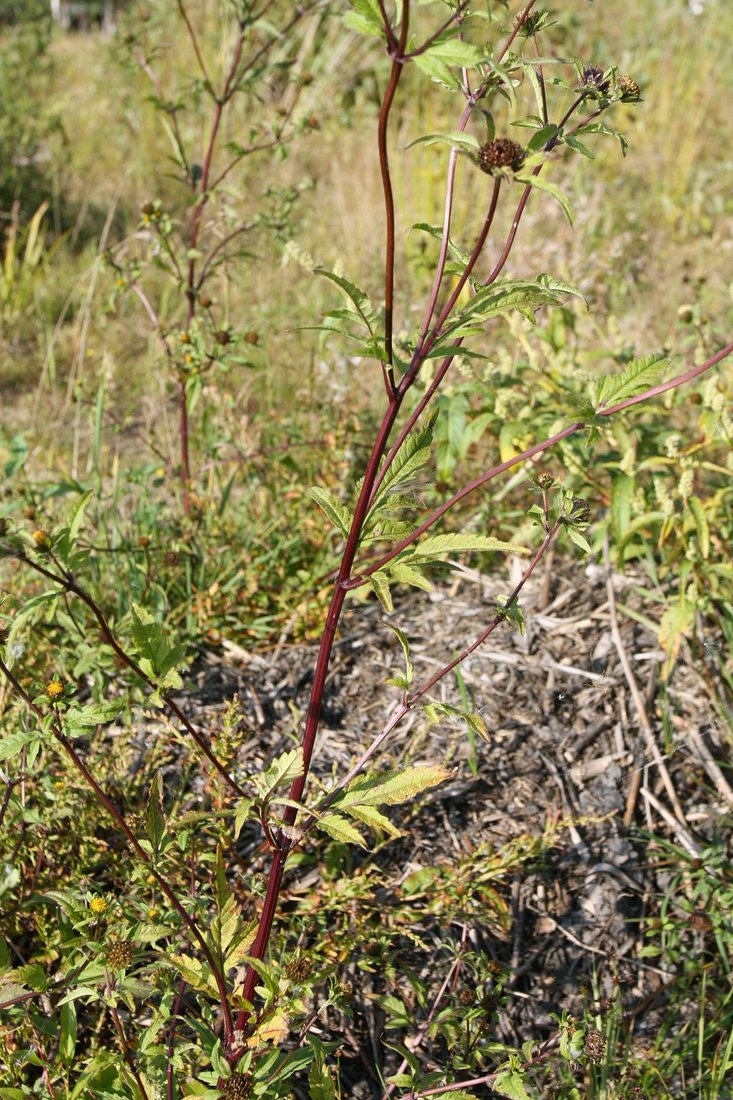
(132,840)
(195,44)
(389,250)
(71,585)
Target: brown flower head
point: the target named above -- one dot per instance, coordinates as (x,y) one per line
(238,1087)
(499,154)
(595,1045)
(628,89)
(120,954)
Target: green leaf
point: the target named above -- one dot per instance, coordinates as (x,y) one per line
(372,817)
(464,143)
(542,184)
(158,658)
(409,574)
(365,18)
(14,743)
(436,546)
(194,972)
(340,829)
(333,509)
(392,787)
(379,582)
(364,309)
(402,639)
(283,771)
(67,1040)
(509,1083)
(701,525)
(154,817)
(638,376)
(412,456)
(437,232)
(78,719)
(576,537)
(622,495)
(517,294)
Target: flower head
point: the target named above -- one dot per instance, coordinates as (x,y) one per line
(628,89)
(98,906)
(54,688)
(499,154)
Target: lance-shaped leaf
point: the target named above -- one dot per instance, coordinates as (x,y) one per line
(401,637)
(464,143)
(437,547)
(637,376)
(364,308)
(154,816)
(333,509)
(391,788)
(412,456)
(539,183)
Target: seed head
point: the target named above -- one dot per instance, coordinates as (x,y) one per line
(628,89)
(530,24)
(147,208)
(467,996)
(120,955)
(700,922)
(580,512)
(545,480)
(344,991)
(238,1087)
(593,78)
(298,969)
(500,153)
(171,557)
(595,1045)
(54,688)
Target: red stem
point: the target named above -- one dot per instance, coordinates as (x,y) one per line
(394,79)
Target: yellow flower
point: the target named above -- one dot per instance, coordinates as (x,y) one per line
(54,688)
(98,906)
(40,537)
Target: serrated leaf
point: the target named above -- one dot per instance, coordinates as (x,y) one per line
(542,184)
(14,743)
(635,378)
(411,457)
(379,582)
(393,787)
(272,1031)
(193,971)
(437,546)
(409,574)
(332,507)
(457,139)
(284,770)
(340,829)
(372,817)
(90,715)
(364,308)
(154,817)
(511,1084)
